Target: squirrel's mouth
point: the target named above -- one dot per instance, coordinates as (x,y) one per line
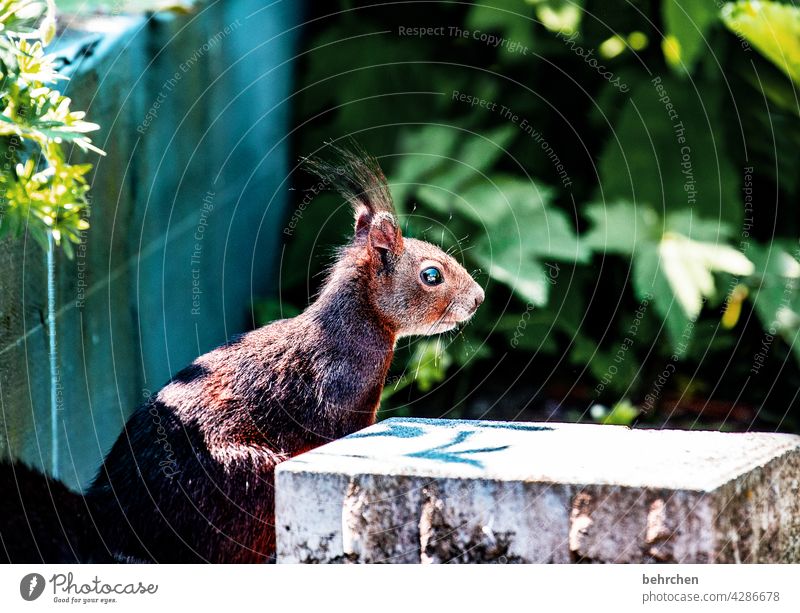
(449,324)
(452,321)
(441,326)
(435,328)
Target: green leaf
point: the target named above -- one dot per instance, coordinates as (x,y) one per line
(534,332)
(518,233)
(772,28)
(677,274)
(650,283)
(780,91)
(562,16)
(509,17)
(43,193)
(690,225)
(615,372)
(622,414)
(672,158)
(420,151)
(476,154)
(532,329)
(491,203)
(438,160)
(509,266)
(29,19)
(775,292)
(674,261)
(687,25)
(515,214)
(619,227)
(688,266)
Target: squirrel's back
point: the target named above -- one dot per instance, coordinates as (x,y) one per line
(191,476)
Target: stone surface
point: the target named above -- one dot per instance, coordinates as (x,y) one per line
(210,162)
(417,490)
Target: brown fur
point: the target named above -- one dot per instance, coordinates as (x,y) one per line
(191,476)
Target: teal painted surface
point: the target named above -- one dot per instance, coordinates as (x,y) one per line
(186,214)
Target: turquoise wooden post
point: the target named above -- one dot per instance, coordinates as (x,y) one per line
(194,111)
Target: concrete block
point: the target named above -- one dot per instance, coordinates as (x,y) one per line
(431,491)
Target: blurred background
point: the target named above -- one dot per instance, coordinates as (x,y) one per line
(621,177)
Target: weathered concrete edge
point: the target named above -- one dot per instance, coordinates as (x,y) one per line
(316,537)
(746,520)
(450,520)
(761,528)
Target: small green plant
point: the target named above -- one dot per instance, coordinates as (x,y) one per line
(41,192)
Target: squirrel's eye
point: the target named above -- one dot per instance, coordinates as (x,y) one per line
(431,276)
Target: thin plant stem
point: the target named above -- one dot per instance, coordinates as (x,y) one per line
(53,350)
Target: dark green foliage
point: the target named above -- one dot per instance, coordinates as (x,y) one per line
(620,176)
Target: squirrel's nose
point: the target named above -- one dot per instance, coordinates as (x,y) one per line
(478,299)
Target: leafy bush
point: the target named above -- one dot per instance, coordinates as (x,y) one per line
(621,177)
(41,191)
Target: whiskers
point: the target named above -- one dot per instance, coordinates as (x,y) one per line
(441,318)
(458,246)
(445,342)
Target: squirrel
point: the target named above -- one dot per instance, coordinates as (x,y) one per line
(275,392)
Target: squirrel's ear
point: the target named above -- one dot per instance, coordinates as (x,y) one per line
(363,221)
(384,233)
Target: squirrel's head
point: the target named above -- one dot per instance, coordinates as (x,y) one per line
(415,286)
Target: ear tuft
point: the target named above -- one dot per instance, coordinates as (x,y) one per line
(357,176)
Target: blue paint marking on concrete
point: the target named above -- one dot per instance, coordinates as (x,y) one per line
(443,453)
(460,423)
(406,428)
(396,430)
